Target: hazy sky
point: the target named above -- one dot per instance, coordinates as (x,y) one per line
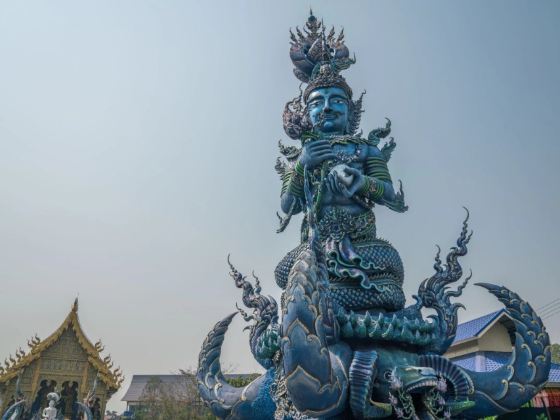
(138,140)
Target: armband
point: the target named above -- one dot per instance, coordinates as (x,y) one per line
(377,168)
(372,189)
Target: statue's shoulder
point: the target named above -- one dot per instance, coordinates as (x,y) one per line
(384,152)
(375,137)
(373,151)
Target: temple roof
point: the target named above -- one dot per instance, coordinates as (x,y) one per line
(138,384)
(473,328)
(112,378)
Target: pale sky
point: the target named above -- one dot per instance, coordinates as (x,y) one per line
(138,141)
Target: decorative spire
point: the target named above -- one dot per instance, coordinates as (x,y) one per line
(75,305)
(318,57)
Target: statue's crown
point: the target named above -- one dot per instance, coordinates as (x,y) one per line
(319,57)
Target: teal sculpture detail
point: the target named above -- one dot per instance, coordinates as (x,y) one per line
(343,345)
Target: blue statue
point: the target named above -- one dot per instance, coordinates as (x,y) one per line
(344,345)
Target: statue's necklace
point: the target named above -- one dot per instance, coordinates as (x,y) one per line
(349,158)
(343,156)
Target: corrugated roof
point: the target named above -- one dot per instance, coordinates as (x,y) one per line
(493,360)
(472,328)
(466,362)
(554,375)
(138,384)
(496,359)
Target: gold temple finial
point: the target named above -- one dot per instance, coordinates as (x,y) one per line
(75,305)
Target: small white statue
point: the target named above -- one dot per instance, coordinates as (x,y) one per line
(49,413)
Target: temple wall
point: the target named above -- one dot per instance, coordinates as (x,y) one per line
(495,339)
(464,348)
(64,361)
(25,386)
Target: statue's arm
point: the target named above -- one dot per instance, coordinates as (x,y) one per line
(292,190)
(313,154)
(378,185)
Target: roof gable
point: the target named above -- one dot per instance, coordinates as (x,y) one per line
(112,378)
(471,329)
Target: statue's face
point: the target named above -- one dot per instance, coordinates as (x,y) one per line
(328,110)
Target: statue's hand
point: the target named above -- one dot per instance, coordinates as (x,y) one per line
(358,180)
(333,183)
(315,152)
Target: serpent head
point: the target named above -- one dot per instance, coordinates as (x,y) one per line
(413,379)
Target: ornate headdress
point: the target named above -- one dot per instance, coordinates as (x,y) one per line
(318,59)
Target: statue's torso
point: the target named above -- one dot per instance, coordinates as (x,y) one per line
(353,155)
(365,271)
(350,154)
(49,413)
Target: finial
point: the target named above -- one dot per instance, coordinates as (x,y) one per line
(75,305)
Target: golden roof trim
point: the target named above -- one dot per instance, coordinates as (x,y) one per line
(112,379)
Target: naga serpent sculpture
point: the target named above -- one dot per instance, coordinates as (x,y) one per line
(344,345)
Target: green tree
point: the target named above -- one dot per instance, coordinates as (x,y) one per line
(555,352)
(238,381)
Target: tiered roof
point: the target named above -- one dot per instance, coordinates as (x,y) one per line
(473,328)
(112,378)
